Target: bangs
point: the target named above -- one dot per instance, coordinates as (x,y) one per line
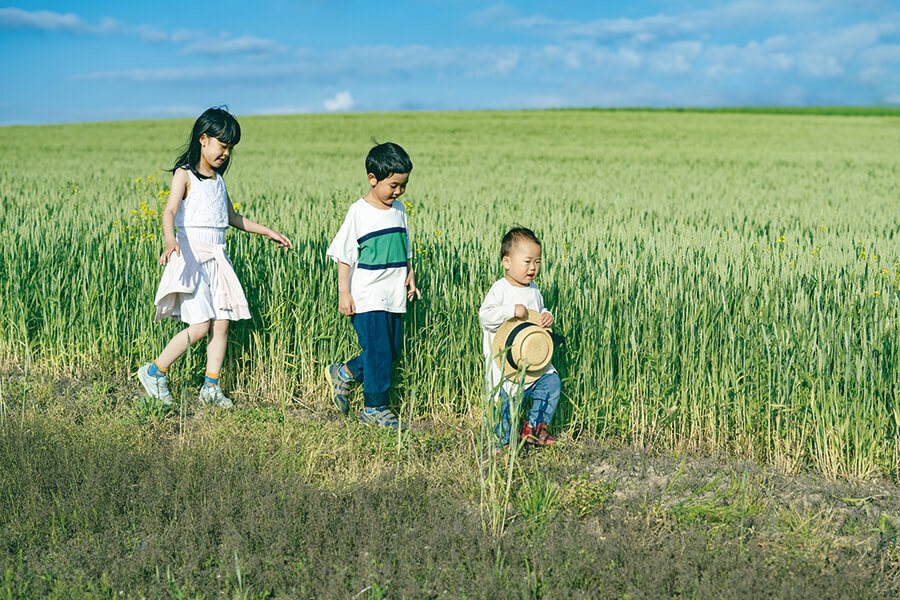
(227,132)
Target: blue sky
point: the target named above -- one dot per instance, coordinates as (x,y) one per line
(68,61)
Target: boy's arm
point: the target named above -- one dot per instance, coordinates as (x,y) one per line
(412,292)
(346,306)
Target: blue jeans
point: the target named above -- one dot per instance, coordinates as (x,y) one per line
(380,334)
(544,394)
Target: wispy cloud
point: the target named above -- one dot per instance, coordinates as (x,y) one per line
(741,13)
(244,44)
(193,42)
(16,18)
(401,62)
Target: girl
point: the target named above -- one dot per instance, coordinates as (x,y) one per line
(199,285)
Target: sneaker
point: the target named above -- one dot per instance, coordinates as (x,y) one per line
(381,416)
(158,387)
(213,394)
(537,435)
(340,389)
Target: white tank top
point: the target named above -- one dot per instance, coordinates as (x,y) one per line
(206,204)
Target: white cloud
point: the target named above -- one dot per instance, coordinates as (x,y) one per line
(341,101)
(16,18)
(196,42)
(244,44)
(643,30)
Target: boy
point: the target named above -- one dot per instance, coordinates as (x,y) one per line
(372,250)
(512,297)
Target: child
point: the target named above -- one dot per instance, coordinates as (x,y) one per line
(513,297)
(199,285)
(372,250)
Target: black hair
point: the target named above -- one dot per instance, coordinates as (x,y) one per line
(217,123)
(514,235)
(387,159)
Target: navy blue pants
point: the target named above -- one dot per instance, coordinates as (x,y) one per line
(380,334)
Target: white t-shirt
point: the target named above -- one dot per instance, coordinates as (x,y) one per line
(375,243)
(498,307)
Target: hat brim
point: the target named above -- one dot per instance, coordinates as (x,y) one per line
(499,350)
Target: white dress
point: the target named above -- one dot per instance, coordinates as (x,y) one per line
(200,285)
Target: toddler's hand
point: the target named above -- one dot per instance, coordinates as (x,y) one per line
(346,306)
(521,311)
(280,239)
(170,248)
(546,319)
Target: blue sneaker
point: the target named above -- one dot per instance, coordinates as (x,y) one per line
(381,416)
(340,387)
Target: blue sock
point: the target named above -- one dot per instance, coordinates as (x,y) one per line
(156,371)
(211,379)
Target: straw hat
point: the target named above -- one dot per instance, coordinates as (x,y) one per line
(529,345)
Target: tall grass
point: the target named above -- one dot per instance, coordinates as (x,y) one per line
(726,281)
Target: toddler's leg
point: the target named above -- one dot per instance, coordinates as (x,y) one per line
(502,428)
(545,398)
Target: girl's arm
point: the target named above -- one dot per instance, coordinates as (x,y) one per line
(244,224)
(176,195)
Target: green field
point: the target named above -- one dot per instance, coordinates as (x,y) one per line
(728,283)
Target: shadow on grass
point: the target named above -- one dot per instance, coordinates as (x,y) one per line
(82,515)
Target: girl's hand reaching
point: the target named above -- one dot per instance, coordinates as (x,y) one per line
(280,239)
(170,248)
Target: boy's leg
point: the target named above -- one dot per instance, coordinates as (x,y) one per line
(373,365)
(355,368)
(383,334)
(340,375)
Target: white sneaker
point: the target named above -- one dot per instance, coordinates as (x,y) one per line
(213,394)
(158,387)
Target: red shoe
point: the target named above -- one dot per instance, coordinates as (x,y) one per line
(545,438)
(537,435)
